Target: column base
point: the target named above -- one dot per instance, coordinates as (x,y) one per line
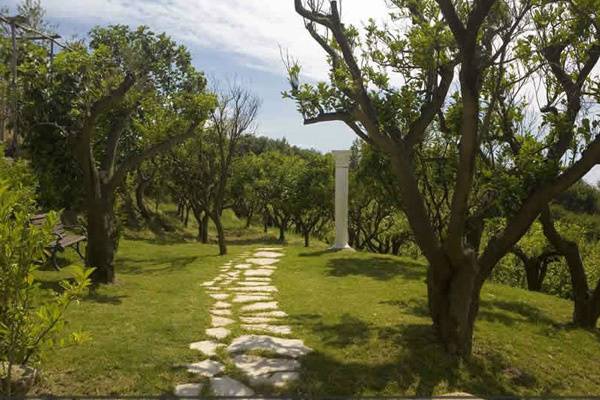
(341,247)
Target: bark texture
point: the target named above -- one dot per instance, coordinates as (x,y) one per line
(586,309)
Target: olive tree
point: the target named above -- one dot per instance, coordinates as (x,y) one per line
(393,87)
(127,96)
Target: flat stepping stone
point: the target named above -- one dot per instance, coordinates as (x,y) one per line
(206,368)
(258,320)
(461,396)
(208,283)
(258,272)
(275,329)
(276,314)
(218,333)
(267,254)
(248,298)
(278,379)
(233,274)
(213,288)
(270,249)
(206,347)
(222,304)
(253,283)
(285,347)
(243,266)
(257,366)
(220,311)
(257,279)
(188,389)
(221,321)
(256,289)
(226,386)
(260,306)
(219,296)
(262,261)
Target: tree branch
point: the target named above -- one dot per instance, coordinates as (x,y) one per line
(134,161)
(112,97)
(533,205)
(431,108)
(454,22)
(112,144)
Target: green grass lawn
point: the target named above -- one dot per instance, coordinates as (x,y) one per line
(365,316)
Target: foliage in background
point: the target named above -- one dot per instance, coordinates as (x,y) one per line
(376,220)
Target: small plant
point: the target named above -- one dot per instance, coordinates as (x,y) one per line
(29,318)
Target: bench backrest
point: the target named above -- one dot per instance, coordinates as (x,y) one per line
(39,219)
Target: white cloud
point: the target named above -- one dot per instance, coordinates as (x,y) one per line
(250,29)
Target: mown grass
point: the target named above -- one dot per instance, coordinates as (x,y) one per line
(139,327)
(365,316)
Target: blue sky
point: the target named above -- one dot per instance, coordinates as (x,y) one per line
(228,38)
(234,38)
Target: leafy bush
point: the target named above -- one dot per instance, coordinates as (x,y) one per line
(29,320)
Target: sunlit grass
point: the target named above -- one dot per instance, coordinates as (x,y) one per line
(364,314)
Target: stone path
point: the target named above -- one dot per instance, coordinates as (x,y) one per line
(246,319)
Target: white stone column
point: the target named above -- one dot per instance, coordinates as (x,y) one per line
(342,162)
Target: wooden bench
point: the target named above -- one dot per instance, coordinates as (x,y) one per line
(63,239)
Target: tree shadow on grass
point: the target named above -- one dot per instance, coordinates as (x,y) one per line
(266,240)
(317,253)
(411,306)
(95,297)
(136,266)
(349,330)
(380,268)
(503,311)
(418,364)
(52,285)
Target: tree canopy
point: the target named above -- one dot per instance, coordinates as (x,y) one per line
(441,90)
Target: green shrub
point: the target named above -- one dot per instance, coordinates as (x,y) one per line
(30,320)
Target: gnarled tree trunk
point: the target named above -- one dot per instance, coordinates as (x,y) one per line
(102,238)
(281,233)
(186,218)
(454,302)
(586,302)
(202,221)
(140,190)
(203,227)
(536,267)
(220,234)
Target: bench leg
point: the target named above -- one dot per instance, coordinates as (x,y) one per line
(78,250)
(53,258)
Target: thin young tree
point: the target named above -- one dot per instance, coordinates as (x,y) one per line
(234,116)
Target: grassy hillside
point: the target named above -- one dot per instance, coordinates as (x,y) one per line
(365,315)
